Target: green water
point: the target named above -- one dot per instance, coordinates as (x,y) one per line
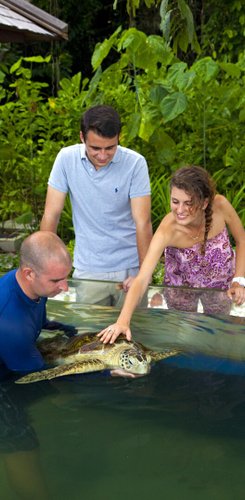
(177,433)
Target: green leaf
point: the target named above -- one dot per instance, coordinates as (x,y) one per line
(231,69)
(16,65)
(26,218)
(242,115)
(131,129)
(132,39)
(173,105)
(206,69)
(164,146)
(183,39)
(102,49)
(187,15)
(159,50)
(165,25)
(160,195)
(180,76)
(6,152)
(2,76)
(148,123)
(37,59)
(163,8)
(157,93)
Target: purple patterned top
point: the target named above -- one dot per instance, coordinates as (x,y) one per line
(187,267)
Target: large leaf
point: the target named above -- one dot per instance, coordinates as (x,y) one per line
(16,65)
(102,49)
(187,15)
(173,105)
(165,14)
(160,50)
(164,146)
(132,39)
(231,69)
(180,76)
(148,123)
(206,69)
(131,128)
(157,93)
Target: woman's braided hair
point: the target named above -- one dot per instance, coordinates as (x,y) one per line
(197,183)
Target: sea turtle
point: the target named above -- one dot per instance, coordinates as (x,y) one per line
(85,353)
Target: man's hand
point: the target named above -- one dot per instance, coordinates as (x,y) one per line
(69,330)
(127,283)
(123,373)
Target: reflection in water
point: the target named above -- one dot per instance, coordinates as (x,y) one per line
(215,302)
(109,293)
(176,433)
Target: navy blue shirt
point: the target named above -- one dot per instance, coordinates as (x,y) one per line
(21,321)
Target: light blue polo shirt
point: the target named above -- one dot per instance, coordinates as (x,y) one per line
(104,228)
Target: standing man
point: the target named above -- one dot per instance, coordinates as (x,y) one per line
(44,266)
(109,189)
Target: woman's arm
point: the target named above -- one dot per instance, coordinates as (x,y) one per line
(236,292)
(159,242)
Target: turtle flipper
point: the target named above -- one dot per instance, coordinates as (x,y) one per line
(92,365)
(157,356)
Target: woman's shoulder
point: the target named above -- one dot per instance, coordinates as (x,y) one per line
(225,213)
(220,202)
(165,229)
(167,223)
(222,208)
(171,232)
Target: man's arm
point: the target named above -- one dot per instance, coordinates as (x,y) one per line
(54,205)
(141,212)
(18,351)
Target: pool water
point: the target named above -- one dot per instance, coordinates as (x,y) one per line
(177,433)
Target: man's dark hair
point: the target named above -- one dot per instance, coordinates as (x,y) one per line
(103,120)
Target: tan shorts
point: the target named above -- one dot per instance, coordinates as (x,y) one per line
(103,289)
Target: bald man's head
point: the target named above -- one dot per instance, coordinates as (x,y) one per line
(41,248)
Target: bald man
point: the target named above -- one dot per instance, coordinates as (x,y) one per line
(44,267)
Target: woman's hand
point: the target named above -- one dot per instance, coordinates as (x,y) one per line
(236,293)
(111,333)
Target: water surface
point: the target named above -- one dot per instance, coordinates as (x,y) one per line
(177,433)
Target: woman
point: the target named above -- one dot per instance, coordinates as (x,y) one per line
(194,237)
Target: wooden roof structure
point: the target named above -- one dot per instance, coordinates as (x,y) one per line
(21,21)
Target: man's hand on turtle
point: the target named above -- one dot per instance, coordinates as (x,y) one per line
(122,373)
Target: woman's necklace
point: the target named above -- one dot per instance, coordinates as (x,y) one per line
(195,238)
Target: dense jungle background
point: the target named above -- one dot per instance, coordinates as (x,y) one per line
(174,70)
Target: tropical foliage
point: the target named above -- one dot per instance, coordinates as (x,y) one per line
(171,113)
(174,70)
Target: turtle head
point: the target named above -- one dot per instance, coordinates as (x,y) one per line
(134,361)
